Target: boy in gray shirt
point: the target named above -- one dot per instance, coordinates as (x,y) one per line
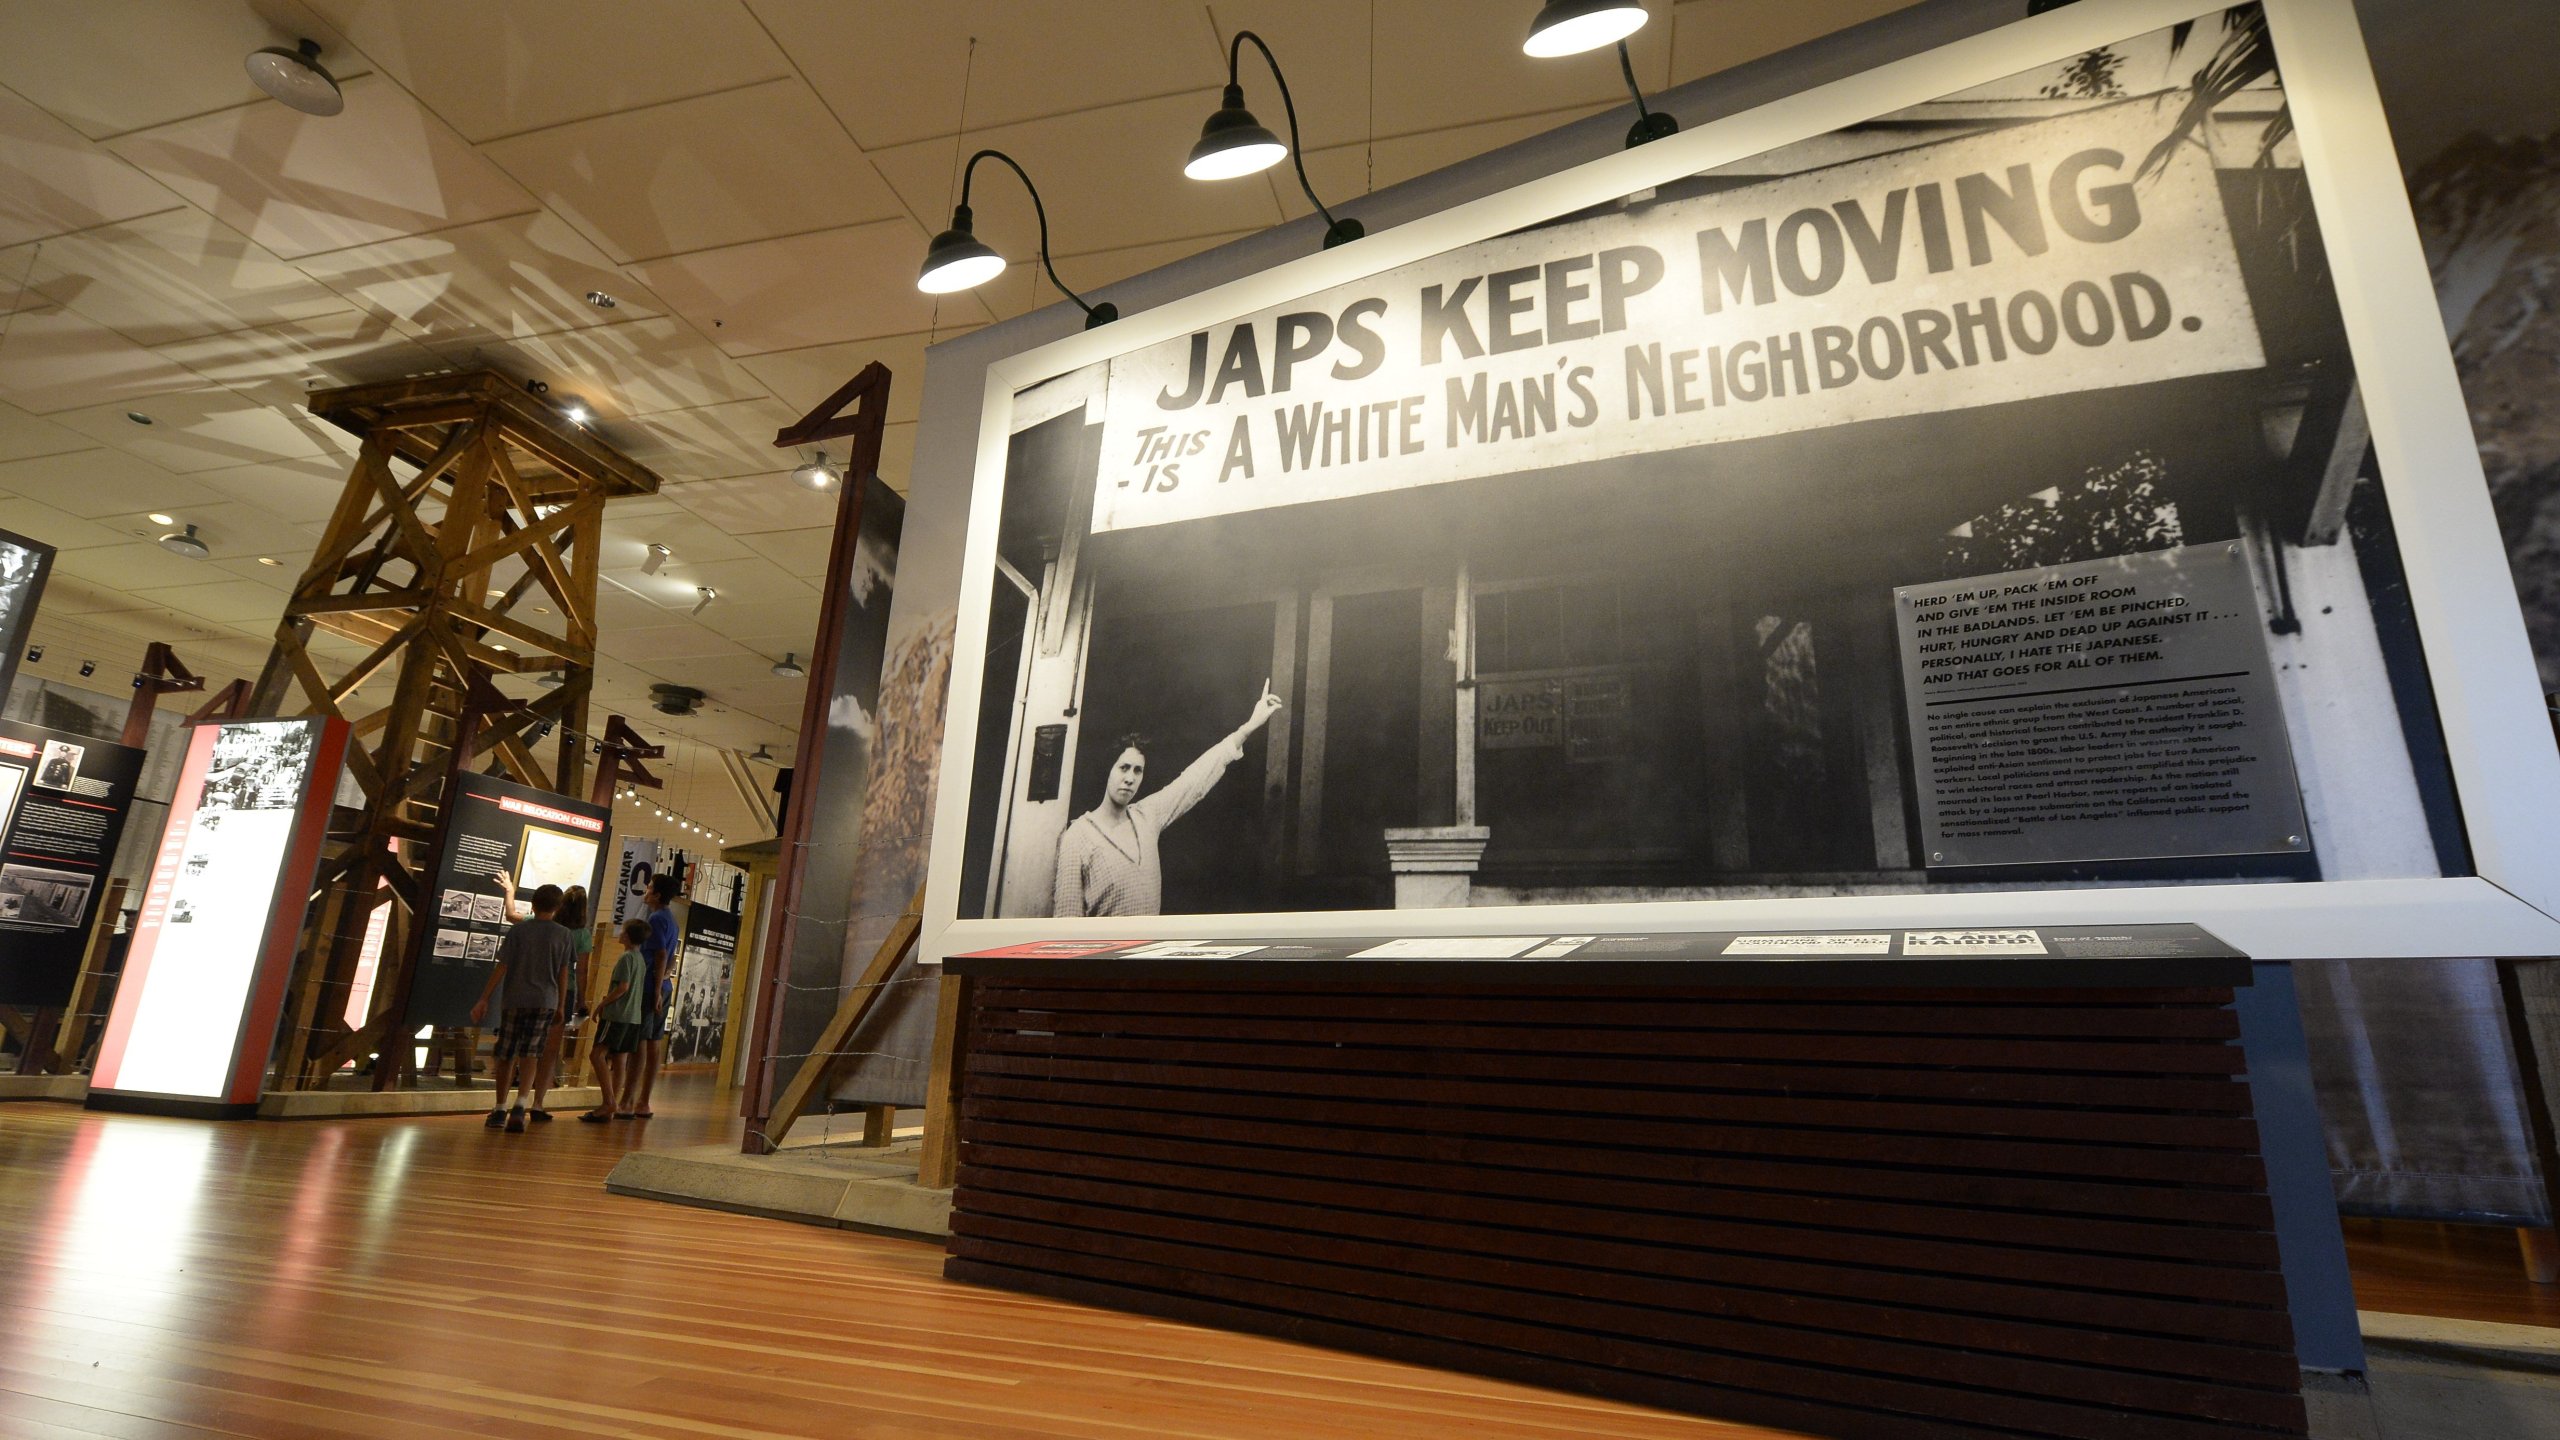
(532,959)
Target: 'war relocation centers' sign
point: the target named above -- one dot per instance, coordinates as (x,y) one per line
(2017,263)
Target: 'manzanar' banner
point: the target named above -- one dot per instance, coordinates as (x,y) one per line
(2024,262)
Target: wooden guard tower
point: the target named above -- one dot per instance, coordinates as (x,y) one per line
(463,560)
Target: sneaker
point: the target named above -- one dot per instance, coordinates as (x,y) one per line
(496,1119)
(515,1121)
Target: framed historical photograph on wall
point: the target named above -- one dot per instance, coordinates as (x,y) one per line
(2025,481)
(24,566)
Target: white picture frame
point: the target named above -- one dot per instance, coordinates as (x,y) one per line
(2497,737)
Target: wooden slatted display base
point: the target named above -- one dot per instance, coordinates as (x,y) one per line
(1899,1214)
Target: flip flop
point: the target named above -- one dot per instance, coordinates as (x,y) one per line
(643,1114)
(595,1117)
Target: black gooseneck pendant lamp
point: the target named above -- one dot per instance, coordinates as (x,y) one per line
(1234,144)
(958,260)
(1571,27)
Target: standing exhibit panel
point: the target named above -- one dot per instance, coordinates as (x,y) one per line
(64,799)
(707,961)
(203,988)
(2019,489)
(503,842)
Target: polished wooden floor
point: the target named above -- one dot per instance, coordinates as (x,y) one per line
(2454,1272)
(416,1278)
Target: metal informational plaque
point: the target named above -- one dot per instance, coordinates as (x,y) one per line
(2117,709)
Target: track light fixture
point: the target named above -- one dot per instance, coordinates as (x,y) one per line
(708,595)
(1570,27)
(656,557)
(958,260)
(1233,143)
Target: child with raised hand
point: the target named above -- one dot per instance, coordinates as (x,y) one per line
(533,959)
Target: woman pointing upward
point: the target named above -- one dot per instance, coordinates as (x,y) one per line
(1108,861)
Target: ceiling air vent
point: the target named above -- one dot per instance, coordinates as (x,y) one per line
(675,699)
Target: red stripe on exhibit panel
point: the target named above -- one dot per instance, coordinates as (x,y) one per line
(153,917)
(284,920)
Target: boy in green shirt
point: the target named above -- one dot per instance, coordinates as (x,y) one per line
(619,1019)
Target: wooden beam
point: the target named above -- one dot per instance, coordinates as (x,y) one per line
(819,1069)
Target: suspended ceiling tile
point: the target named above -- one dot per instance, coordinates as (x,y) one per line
(174,276)
(501,279)
(347,347)
(221,601)
(746,580)
(1024,287)
(746,504)
(109,66)
(207,428)
(737,675)
(25,510)
(724,169)
(106,609)
(1109,177)
(301,184)
(759,616)
(896,72)
(637,367)
(627,539)
(801,552)
(245,566)
(803,378)
(710,441)
(53,180)
(618,610)
(56,360)
(658,645)
(1712,35)
(304,492)
(1340,175)
(790,293)
(227,527)
(23,436)
(498,67)
(793,640)
(97,484)
(131,566)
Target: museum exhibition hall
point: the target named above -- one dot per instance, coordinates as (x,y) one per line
(1085,719)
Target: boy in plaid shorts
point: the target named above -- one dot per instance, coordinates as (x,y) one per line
(532,959)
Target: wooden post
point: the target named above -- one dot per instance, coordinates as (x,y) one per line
(868,392)
(73,1038)
(938,1159)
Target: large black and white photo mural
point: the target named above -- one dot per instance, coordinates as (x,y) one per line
(1974,497)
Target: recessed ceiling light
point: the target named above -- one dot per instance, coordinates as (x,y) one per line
(159,519)
(578,414)
(138,418)
(601,300)
(270,560)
